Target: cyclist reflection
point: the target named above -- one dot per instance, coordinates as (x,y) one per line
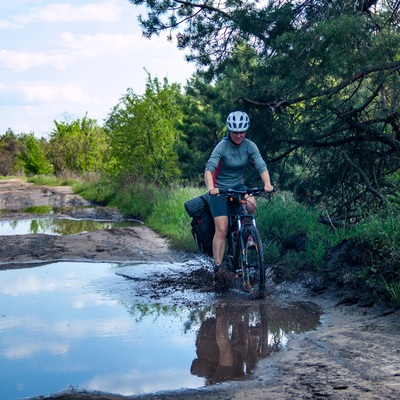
(227,347)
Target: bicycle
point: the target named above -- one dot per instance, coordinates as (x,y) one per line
(244,250)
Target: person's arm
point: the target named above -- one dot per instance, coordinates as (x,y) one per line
(210,167)
(208,179)
(267,182)
(261,166)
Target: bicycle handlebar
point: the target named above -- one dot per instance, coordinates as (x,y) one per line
(250,191)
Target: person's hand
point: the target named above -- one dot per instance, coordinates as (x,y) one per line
(214,192)
(268,187)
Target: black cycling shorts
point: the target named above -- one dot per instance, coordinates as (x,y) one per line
(219,204)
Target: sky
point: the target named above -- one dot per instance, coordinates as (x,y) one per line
(62,59)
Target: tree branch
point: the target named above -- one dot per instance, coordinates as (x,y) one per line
(364,177)
(282,103)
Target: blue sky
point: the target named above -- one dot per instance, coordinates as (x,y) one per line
(61,59)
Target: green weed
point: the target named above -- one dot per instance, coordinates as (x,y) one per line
(50,180)
(283,218)
(170,219)
(394,290)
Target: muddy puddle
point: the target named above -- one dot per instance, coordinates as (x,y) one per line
(58,226)
(85,326)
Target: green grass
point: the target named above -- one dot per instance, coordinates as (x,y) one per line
(7,177)
(284,218)
(51,180)
(170,219)
(394,290)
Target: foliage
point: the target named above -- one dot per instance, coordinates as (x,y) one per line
(101,192)
(381,235)
(320,81)
(51,180)
(201,129)
(170,219)
(394,290)
(135,203)
(10,147)
(33,158)
(78,146)
(291,231)
(142,134)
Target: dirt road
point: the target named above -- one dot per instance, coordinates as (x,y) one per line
(137,243)
(354,354)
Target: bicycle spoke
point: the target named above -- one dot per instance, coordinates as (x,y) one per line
(252,262)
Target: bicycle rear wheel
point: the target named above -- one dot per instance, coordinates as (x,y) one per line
(252,262)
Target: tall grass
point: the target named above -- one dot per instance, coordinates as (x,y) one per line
(170,219)
(380,235)
(52,180)
(282,220)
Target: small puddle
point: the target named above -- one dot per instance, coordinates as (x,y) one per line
(57,226)
(80,325)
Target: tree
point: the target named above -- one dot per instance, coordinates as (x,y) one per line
(78,146)
(320,80)
(142,133)
(10,147)
(33,157)
(202,127)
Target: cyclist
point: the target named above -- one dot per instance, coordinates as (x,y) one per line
(224,170)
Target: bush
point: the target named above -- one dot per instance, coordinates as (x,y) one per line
(289,227)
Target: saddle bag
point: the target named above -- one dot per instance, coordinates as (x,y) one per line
(195,207)
(203,227)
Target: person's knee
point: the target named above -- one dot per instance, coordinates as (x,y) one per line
(221,231)
(221,227)
(251,205)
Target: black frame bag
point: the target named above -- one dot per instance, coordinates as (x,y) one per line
(203,227)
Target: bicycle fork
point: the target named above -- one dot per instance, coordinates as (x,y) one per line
(243,249)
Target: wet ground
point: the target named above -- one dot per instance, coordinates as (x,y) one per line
(353,354)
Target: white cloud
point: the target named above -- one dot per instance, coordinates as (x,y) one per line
(138,382)
(50,94)
(19,61)
(42,93)
(29,349)
(108,11)
(73,47)
(101,43)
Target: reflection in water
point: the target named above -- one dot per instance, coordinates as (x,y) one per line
(57,226)
(79,324)
(232,339)
(35,210)
(60,327)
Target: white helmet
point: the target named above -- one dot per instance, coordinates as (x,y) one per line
(238,121)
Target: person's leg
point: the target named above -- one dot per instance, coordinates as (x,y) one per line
(219,210)
(221,230)
(251,204)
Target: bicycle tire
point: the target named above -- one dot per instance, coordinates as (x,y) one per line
(230,255)
(252,262)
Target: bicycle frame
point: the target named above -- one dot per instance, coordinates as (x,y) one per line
(236,220)
(242,238)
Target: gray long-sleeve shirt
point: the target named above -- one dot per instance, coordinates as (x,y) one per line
(227,162)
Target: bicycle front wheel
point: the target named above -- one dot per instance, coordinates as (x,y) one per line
(252,262)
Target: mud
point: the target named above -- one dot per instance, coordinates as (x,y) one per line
(354,354)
